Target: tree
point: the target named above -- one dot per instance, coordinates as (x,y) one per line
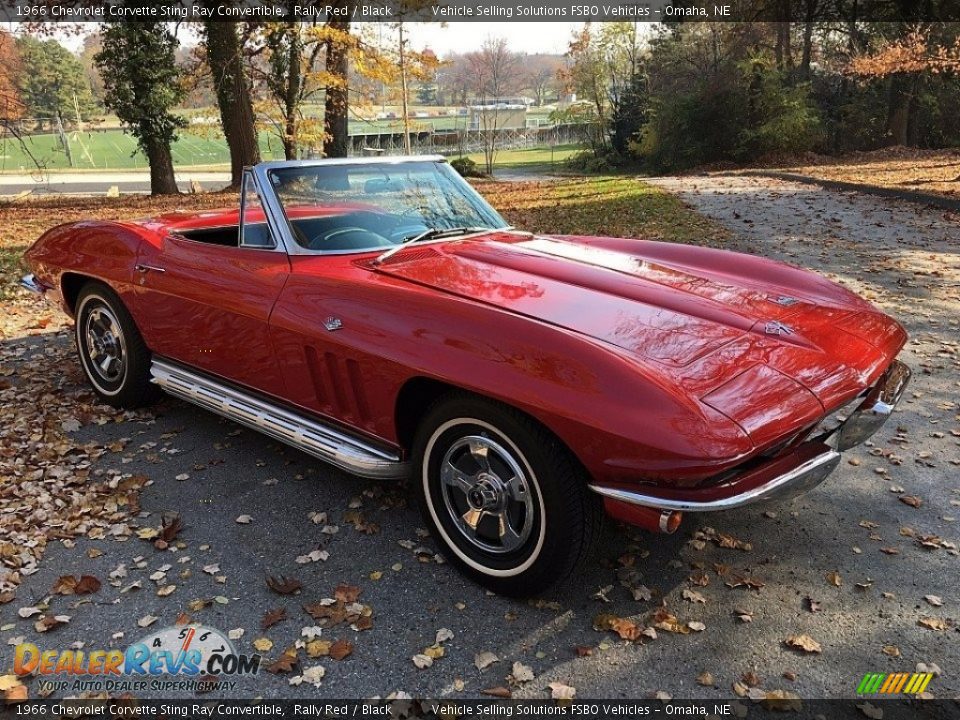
(11,107)
(91,46)
(604,68)
(494,69)
(53,83)
(289,73)
(225,58)
(541,75)
(336,142)
(141,86)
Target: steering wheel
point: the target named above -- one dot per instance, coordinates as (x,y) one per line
(348,238)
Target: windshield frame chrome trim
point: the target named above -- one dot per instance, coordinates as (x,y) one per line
(277,219)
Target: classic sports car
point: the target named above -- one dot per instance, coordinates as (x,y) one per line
(381,316)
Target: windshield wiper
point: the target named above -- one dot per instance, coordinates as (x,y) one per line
(431,234)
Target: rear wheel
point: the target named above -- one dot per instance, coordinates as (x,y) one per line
(114,357)
(507,501)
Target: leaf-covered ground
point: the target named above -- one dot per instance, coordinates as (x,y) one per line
(928,171)
(115,524)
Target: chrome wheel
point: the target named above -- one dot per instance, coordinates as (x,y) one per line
(487,494)
(105,347)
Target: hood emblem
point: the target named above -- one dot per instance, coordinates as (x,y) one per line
(786,300)
(333,323)
(775,327)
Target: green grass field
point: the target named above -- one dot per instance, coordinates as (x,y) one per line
(533,160)
(116,150)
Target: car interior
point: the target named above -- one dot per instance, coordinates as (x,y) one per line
(358,230)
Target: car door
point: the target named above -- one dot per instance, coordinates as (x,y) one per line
(209,305)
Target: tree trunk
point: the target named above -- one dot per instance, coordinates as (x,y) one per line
(292,100)
(805,57)
(898,110)
(336,141)
(162,179)
(224,55)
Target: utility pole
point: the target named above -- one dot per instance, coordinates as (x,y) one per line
(407,149)
(64,139)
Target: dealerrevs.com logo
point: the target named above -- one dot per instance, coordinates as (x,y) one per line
(189,657)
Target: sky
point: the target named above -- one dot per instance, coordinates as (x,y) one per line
(540,37)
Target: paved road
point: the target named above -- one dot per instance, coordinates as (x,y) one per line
(98,183)
(903,256)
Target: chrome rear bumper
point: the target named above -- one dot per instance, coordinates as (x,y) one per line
(787,476)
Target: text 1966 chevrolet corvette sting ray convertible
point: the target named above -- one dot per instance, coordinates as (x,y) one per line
(380,315)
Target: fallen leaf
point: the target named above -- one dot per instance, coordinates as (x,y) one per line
(663,620)
(341,649)
(933,623)
(522,673)
(750,679)
(443,634)
(422,661)
(147,620)
(803,642)
(346,593)
(435,651)
(833,577)
(911,500)
(706,679)
(314,675)
(484,659)
(49,622)
(285,663)
(272,617)
(693,596)
(243,519)
(263,644)
(497,692)
(934,600)
(283,585)
(560,691)
(891,650)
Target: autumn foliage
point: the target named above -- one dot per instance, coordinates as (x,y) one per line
(912,54)
(11,107)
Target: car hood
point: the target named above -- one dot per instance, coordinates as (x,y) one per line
(702,317)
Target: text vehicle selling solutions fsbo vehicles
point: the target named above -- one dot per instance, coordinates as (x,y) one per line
(381,316)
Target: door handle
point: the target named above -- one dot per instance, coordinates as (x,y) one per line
(147,268)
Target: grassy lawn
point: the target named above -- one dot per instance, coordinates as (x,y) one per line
(533,160)
(616,206)
(116,150)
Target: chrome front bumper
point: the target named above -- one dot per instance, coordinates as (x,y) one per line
(876,408)
(790,475)
(31,283)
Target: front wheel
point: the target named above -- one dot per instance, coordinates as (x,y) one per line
(506,499)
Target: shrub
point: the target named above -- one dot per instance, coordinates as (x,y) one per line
(466,167)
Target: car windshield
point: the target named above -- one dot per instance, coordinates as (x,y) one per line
(378,205)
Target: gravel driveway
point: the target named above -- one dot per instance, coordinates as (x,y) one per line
(852,566)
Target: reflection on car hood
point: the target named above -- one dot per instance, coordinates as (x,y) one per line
(690,310)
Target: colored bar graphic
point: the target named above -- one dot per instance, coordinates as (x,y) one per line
(926,681)
(888,683)
(894,683)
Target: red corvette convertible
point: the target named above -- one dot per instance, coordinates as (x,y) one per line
(381,316)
